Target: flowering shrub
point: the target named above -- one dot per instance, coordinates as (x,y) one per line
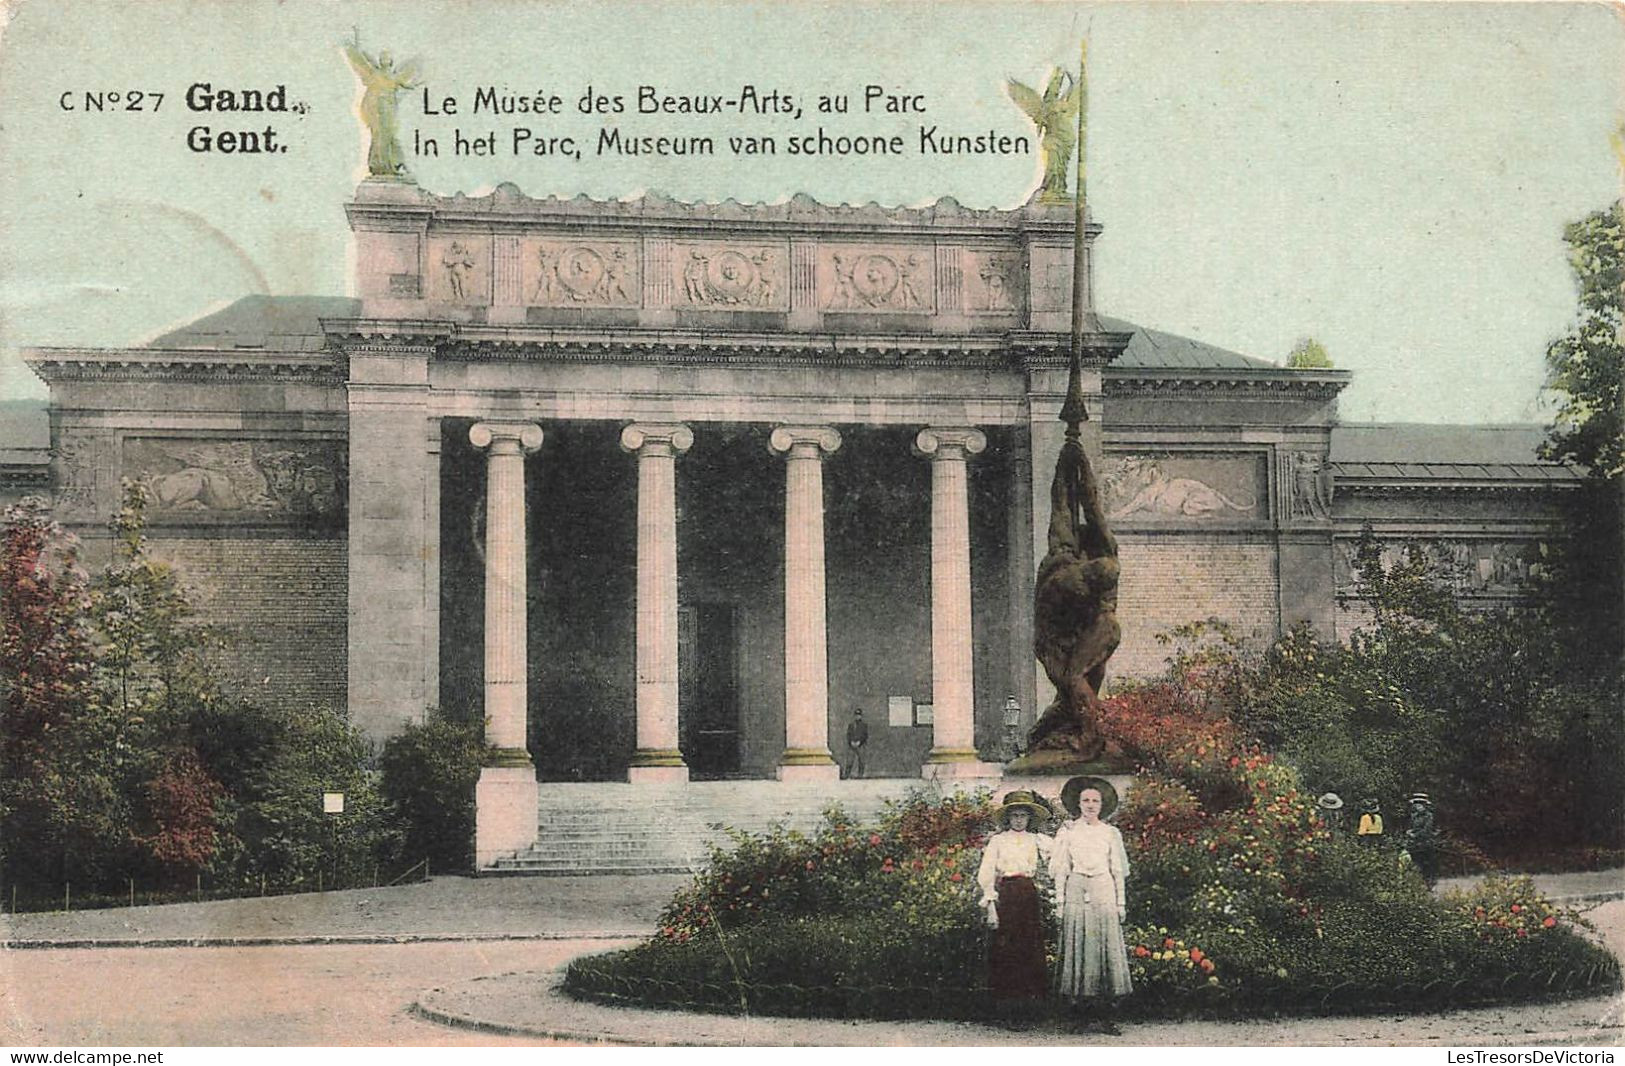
(1239,889)
(1160,962)
(918,863)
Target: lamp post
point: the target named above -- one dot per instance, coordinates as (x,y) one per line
(1012,726)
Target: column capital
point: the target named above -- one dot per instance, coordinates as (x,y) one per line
(949,442)
(657,438)
(804,442)
(506,436)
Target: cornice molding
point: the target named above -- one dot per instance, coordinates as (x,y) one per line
(183,364)
(1347,486)
(1204,382)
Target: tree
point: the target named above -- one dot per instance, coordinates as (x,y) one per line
(1308,354)
(1586,366)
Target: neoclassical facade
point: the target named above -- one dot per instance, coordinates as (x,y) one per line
(663,490)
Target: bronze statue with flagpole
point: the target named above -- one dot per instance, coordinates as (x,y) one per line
(1075,595)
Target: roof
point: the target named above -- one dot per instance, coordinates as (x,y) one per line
(25,433)
(1154,349)
(1385,451)
(280,323)
(292,323)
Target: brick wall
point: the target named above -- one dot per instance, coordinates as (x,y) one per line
(1170,580)
(281,603)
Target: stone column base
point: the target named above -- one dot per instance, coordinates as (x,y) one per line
(504,813)
(955,765)
(657,775)
(798,773)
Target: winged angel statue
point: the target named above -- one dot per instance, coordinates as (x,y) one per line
(1055,114)
(383,81)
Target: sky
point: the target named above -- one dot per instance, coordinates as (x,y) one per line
(1391,179)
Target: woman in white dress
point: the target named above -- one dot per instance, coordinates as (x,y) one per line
(1090,869)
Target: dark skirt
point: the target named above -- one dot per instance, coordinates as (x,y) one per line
(1015,952)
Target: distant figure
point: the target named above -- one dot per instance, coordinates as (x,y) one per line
(1090,868)
(1017,973)
(1370,827)
(857,739)
(1422,838)
(1331,811)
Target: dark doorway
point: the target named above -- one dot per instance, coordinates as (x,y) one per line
(708,689)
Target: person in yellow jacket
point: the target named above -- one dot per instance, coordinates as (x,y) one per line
(1370,828)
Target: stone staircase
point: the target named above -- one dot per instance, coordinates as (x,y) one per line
(617,828)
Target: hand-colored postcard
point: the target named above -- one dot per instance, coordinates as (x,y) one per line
(811,523)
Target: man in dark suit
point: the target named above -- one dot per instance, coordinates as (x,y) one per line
(857,739)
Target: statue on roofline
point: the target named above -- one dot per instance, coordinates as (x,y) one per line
(1055,116)
(383,82)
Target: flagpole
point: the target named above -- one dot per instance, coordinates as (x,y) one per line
(1073,411)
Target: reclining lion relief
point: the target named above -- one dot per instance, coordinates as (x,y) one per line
(1151,491)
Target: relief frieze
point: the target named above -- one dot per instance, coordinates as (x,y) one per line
(730,277)
(993,283)
(1181,489)
(576,274)
(1466,565)
(1308,481)
(202,479)
(877,279)
(459,270)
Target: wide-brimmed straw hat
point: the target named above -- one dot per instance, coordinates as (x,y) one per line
(1074,788)
(1422,798)
(1330,801)
(1023,799)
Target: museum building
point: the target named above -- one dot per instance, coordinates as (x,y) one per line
(666,491)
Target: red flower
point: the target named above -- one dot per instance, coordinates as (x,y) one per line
(1549,922)
(874,839)
(1196,955)
(1517,908)
(1523,932)
(961,877)
(1168,942)
(1141,951)
(1207,965)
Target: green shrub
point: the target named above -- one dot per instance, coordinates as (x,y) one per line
(429,773)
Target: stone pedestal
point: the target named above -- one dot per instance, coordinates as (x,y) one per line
(505,812)
(657,446)
(806,650)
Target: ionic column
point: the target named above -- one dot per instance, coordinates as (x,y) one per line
(806,649)
(657,446)
(505,798)
(953,692)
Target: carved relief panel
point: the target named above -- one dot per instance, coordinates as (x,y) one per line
(459,270)
(731,277)
(580,274)
(190,480)
(993,283)
(1185,488)
(1306,486)
(74,461)
(877,279)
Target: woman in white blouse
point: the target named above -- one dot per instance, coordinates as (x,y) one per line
(1016,970)
(1090,869)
